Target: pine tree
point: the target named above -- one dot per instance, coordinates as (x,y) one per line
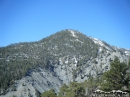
(116,76)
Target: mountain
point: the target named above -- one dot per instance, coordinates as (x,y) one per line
(64,57)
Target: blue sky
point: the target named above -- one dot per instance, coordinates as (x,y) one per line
(32,20)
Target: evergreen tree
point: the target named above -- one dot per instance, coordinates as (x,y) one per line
(115,78)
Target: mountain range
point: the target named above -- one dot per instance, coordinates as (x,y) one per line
(29,68)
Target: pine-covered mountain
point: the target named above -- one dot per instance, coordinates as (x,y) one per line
(64,57)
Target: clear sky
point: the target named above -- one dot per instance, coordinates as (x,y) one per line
(32,20)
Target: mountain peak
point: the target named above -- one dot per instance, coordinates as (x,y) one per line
(73,33)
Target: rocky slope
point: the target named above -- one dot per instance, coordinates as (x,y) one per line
(63,57)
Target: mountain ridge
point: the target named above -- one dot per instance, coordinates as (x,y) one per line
(73,54)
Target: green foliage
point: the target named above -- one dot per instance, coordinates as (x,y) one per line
(50,93)
(116,77)
(73,90)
